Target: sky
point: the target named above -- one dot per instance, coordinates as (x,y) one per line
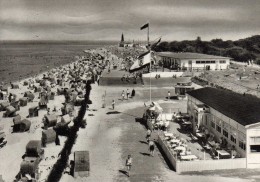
(108,19)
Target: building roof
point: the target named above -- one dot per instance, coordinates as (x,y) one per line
(189,55)
(243,109)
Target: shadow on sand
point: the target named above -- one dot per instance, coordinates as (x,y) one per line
(145,154)
(123,172)
(113,112)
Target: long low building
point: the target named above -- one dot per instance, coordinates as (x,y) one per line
(230,116)
(192,61)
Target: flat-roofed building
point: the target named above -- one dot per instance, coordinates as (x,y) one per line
(229,116)
(192,61)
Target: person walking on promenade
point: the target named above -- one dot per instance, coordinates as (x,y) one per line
(151,147)
(113,104)
(127,94)
(148,135)
(169,95)
(123,95)
(128,164)
(133,93)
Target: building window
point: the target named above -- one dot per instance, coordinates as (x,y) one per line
(225,133)
(197,62)
(222,61)
(233,138)
(219,128)
(213,125)
(242,145)
(254,148)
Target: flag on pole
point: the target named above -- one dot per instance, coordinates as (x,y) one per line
(144,26)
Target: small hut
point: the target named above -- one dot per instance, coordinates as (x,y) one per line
(15,85)
(29,95)
(33,111)
(23,101)
(37,89)
(60,91)
(67,109)
(48,136)
(49,120)
(16,105)
(29,166)
(65,119)
(81,164)
(34,149)
(43,100)
(2,138)
(25,83)
(4,95)
(17,118)
(51,95)
(21,125)
(4,105)
(10,111)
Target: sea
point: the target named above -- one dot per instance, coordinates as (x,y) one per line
(23,59)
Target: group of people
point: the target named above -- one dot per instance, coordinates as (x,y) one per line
(151,148)
(126,95)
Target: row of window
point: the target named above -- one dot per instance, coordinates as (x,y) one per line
(233,139)
(205,62)
(210,62)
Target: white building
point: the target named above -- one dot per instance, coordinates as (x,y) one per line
(193,61)
(230,116)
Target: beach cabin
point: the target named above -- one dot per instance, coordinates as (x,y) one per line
(67,108)
(48,136)
(4,105)
(49,120)
(2,139)
(21,125)
(34,149)
(81,164)
(33,111)
(29,95)
(37,89)
(10,112)
(16,105)
(25,83)
(15,85)
(23,101)
(50,95)
(29,166)
(43,100)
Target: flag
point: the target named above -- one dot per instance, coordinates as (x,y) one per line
(144,26)
(141,61)
(155,44)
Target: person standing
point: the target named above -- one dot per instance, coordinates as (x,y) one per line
(128,164)
(127,94)
(169,95)
(133,93)
(113,104)
(148,135)
(123,95)
(151,147)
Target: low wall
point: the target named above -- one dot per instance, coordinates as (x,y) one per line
(200,165)
(167,152)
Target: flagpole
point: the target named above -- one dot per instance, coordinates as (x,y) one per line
(150,61)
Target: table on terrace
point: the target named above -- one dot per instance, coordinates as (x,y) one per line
(188,157)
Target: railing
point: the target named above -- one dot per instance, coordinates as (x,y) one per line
(198,165)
